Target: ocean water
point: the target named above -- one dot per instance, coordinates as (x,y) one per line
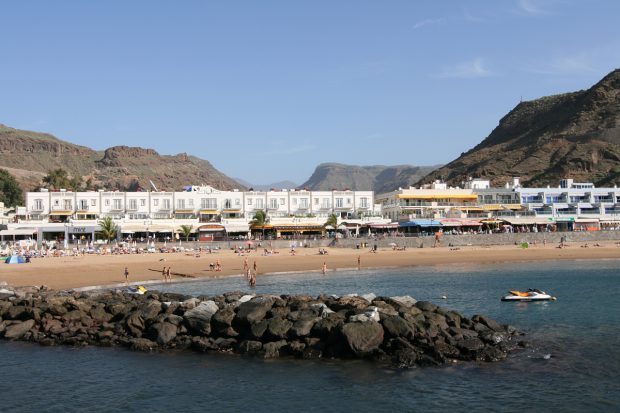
(573,364)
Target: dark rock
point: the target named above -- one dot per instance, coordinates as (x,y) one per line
(150,309)
(302,327)
(135,324)
(17,330)
(142,344)
(163,333)
(363,338)
(349,302)
(426,306)
(252,311)
(258,329)
(492,324)
(98,313)
(296,348)
(325,326)
(249,347)
(278,328)
(4,307)
(222,320)
(225,344)
(173,319)
(18,312)
(470,345)
(396,326)
(272,349)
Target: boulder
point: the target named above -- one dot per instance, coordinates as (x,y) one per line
(142,344)
(258,329)
(198,319)
(4,307)
(163,333)
(272,349)
(251,312)
(395,327)
(249,347)
(302,328)
(363,338)
(426,306)
(17,330)
(279,327)
(492,324)
(404,300)
(18,312)
(150,309)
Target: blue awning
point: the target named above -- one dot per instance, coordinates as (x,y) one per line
(423,223)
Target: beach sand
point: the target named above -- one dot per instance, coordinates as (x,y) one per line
(92,270)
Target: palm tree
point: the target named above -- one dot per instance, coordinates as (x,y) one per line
(109,230)
(259,220)
(186,230)
(332,221)
(56,179)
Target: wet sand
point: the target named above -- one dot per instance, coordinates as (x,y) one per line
(74,272)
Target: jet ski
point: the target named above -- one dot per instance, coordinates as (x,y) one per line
(531,294)
(138,289)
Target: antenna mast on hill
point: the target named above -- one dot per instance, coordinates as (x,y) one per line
(153,185)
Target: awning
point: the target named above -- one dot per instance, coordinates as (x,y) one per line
(266,226)
(561,206)
(61,213)
(18,231)
(584,205)
(231,228)
(390,225)
(586,220)
(184,211)
(209,211)
(451,223)
(527,221)
(439,196)
(492,207)
(297,227)
(424,223)
(211,228)
(492,221)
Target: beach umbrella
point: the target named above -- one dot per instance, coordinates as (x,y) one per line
(249,243)
(15,259)
(392,244)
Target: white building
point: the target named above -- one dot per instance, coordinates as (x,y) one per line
(65,214)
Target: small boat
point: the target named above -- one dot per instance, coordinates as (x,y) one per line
(138,289)
(531,294)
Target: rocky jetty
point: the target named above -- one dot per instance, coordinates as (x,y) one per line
(396,330)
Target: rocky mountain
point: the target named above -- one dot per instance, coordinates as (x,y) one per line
(31,155)
(267,187)
(379,178)
(573,135)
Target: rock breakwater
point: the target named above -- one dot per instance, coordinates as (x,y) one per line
(396,330)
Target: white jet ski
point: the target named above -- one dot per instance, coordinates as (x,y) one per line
(531,294)
(138,289)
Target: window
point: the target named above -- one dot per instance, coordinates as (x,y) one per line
(348,201)
(156,202)
(259,203)
(208,203)
(180,203)
(294,201)
(117,204)
(107,202)
(166,204)
(339,203)
(303,203)
(273,203)
(38,205)
(364,202)
(227,204)
(133,204)
(325,204)
(83,204)
(67,204)
(249,201)
(237,202)
(93,202)
(143,202)
(316,201)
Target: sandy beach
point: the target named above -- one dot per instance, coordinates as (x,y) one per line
(94,270)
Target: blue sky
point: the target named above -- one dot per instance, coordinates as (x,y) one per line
(267,90)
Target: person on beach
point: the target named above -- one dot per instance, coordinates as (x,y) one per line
(324,269)
(164,274)
(126,273)
(359,262)
(168,276)
(255,268)
(218,265)
(252,281)
(246,266)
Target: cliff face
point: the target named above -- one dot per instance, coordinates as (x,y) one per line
(329,176)
(30,155)
(574,135)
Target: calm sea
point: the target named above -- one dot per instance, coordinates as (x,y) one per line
(573,364)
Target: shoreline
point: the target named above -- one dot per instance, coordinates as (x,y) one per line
(99,272)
